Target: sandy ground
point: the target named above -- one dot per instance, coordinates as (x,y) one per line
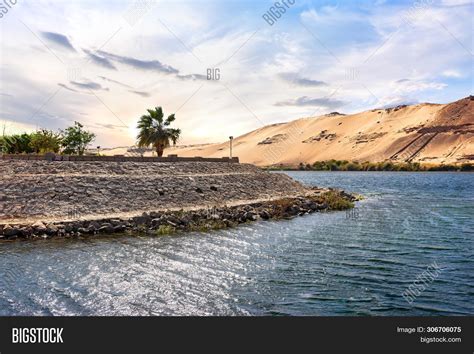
(428,133)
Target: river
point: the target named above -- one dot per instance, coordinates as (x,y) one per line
(337,263)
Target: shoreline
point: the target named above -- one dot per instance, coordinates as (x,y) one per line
(386,166)
(339,171)
(47,199)
(155,223)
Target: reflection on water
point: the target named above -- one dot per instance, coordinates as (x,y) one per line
(340,263)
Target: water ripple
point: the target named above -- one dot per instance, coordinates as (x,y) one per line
(320,264)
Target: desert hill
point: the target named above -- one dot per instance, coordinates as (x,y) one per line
(426,133)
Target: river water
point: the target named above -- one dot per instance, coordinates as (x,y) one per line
(338,263)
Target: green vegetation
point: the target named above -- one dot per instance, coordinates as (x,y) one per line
(73,140)
(165,230)
(155,131)
(344,165)
(44,141)
(331,200)
(334,200)
(16,144)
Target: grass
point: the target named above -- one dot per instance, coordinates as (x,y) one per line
(334,201)
(165,230)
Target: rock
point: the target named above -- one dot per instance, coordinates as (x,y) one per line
(26,231)
(142,220)
(214,188)
(51,229)
(69,227)
(119,228)
(199,190)
(107,227)
(9,231)
(39,226)
(249,216)
(156,222)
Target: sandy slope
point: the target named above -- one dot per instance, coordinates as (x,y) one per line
(430,133)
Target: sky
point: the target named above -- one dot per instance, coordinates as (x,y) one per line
(224,67)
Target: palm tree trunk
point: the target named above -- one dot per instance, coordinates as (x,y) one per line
(159,150)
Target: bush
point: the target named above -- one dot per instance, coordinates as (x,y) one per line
(44,141)
(335,201)
(17,144)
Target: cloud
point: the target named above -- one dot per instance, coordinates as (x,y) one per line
(115,82)
(149,65)
(5,94)
(59,39)
(110,126)
(68,88)
(192,77)
(100,60)
(307,101)
(451,74)
(457,2)
(409,85)
(300,81)
(89,85)
(131,89)
(141,93)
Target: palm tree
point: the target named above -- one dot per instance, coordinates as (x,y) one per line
(155,131)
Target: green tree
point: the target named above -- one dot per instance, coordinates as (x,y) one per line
(75,139)
(45,141)
(17,144)
(155,131)
(3,145)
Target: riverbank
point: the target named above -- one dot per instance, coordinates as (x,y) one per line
(174,221)
(44,199)
(387,166)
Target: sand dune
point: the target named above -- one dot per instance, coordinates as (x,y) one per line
(427,133)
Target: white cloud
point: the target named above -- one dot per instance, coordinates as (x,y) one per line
(451,74)
(406,86)
(392,67)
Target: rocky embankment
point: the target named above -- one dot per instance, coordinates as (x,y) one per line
(41,199)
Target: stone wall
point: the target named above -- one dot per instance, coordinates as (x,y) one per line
(119,158)
(67,190)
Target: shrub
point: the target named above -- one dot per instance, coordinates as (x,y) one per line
(45,141)
(335,201)
(17,144)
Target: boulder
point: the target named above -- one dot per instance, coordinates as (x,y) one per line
(106,227)
(9,231)
(39,226)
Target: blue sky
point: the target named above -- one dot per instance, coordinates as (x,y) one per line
(103,63)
